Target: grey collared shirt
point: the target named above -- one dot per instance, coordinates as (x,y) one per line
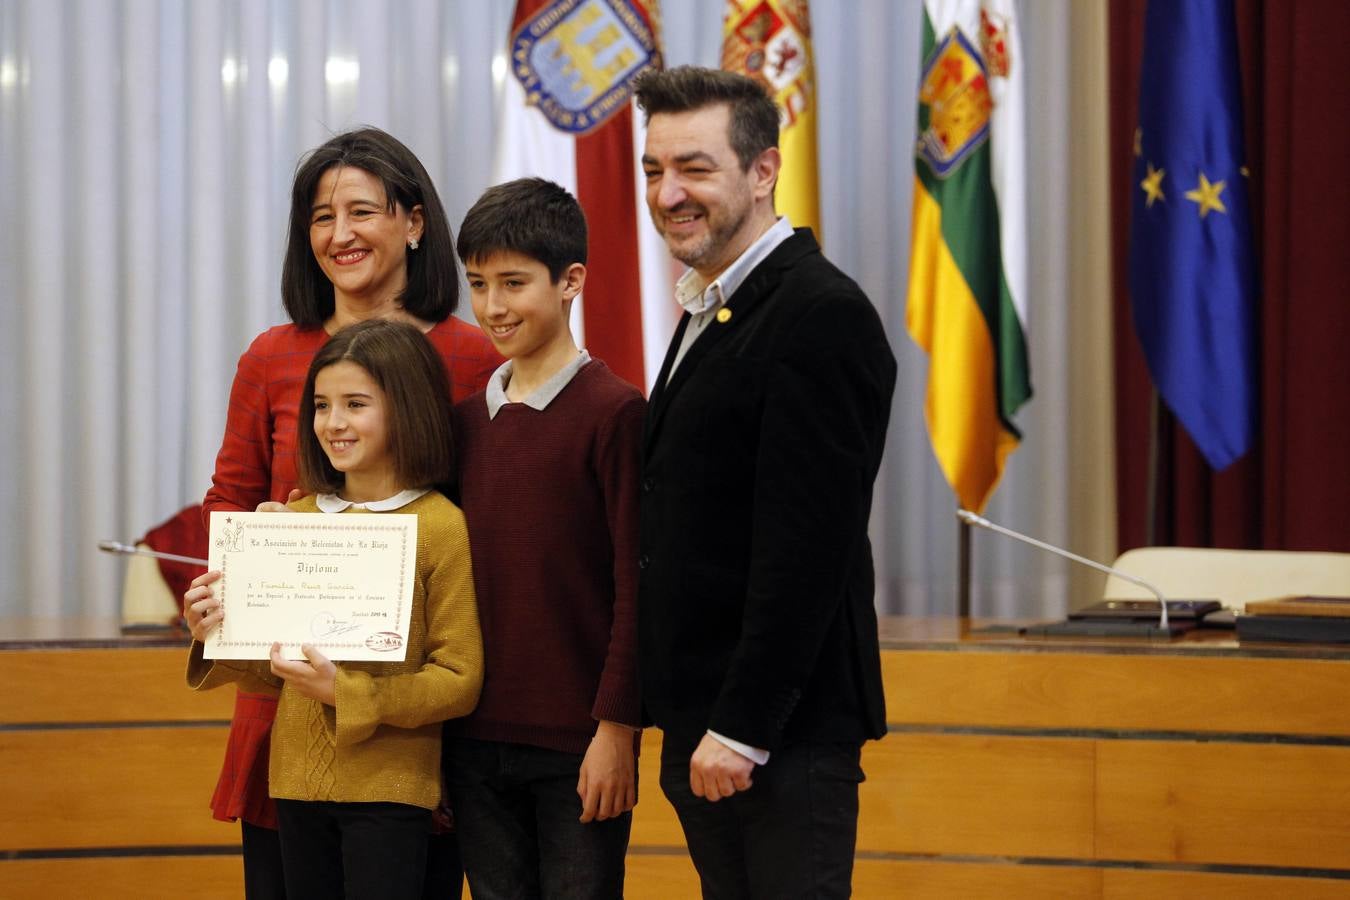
(541,396)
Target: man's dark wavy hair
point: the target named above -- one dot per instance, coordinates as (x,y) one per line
(754,115)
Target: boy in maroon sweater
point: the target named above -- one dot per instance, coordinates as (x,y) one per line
(542,775)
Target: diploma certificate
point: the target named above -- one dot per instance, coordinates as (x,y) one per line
(342,583)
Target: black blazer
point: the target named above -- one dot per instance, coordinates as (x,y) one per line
(755,603)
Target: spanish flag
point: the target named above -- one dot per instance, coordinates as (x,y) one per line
(770,41)
(968,269)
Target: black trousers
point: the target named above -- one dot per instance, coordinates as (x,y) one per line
(792,834)
(445,870)
(353,850)
(263,878)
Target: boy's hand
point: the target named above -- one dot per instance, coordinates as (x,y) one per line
(717,771)
(201,609)
(608,782)
(315,679)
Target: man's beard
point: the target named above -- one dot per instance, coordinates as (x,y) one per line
(714,241)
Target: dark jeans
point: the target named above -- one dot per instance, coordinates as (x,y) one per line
(263,878)
(792,834)
(517,815)
(355,850)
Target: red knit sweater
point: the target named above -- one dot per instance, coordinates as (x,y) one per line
(551,499)
(256,463)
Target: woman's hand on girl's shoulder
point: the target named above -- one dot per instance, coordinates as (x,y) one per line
(276,506)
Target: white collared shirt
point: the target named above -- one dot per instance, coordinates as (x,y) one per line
(703,299)
(332,503)
(541,396)
(754,754)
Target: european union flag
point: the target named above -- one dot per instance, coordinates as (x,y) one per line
(1192,274)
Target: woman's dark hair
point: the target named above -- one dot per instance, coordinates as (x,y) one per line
(403,363)
(432,291)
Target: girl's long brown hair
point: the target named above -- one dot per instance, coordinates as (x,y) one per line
(403,363)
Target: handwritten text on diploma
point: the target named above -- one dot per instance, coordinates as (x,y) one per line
(340,582)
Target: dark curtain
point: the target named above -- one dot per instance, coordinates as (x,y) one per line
(1292,490)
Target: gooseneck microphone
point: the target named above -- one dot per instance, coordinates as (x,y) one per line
(129,550)
(971,518)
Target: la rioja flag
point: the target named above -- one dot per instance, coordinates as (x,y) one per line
(568,116)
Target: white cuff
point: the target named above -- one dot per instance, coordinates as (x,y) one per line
(754,754)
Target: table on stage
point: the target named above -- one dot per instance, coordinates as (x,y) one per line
(1014,768)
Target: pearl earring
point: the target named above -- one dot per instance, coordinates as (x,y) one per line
(412,244)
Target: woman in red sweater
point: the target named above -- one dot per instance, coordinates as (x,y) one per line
(368,239)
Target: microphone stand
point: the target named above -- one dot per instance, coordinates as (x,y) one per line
(177,624)
(129,550)
(969,518)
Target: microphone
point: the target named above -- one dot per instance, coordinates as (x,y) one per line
(129,550)
(970,518)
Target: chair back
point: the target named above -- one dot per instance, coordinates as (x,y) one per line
(1233,577)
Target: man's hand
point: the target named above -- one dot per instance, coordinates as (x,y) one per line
(608,783)
(717,771)
(315,679)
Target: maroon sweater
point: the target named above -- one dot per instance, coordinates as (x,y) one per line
(551,498)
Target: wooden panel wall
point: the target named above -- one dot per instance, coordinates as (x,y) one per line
(107,763)
(1010,774)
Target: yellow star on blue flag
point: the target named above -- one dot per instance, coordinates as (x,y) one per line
(1192,281)
(1207,196)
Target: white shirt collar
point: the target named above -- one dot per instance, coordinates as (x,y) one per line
(698,296)
(332,503)
(541,396)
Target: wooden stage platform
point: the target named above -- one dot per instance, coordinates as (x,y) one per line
(1014,768)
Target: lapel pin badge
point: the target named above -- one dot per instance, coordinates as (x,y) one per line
(724,315)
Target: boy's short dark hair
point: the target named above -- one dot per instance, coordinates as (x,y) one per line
(432,291)
(403,363)
(754,115)
(530,216)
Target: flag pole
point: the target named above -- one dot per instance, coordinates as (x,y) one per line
(1151,487)
(963,572)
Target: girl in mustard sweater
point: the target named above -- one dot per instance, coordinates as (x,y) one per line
(355,757)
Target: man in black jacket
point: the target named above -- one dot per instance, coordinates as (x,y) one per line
(756,628)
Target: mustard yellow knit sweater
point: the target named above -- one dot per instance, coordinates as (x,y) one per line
(381,741)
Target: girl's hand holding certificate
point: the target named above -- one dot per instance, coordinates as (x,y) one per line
(316,679)
(201,609)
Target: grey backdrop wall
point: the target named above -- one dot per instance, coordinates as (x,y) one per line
(146,151)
